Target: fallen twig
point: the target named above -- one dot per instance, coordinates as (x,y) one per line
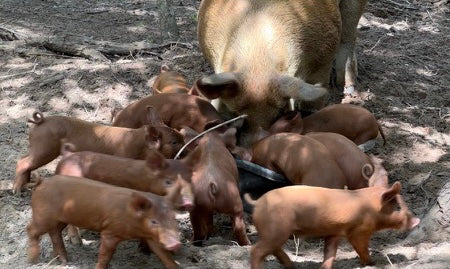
(51,261)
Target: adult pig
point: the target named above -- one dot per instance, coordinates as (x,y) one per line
(266,52)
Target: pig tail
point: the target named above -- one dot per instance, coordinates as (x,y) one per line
(367,171)
(37,118)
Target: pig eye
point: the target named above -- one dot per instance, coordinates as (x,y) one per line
(174,142)
(154,222)
(168,183)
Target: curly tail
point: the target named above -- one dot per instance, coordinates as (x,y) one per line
(249,199)
(67,148)
(367,171)
(38,118)
(381,133)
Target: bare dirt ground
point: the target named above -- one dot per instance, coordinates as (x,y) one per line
(404,63)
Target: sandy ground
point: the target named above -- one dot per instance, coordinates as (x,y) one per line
(404,63)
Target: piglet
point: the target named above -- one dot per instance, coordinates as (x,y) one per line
(175,109)
(301,159)
(215,186)
(354,122)
(356,166)
(117,213)
(327,213)
(156,174)
(170,82)
(46,136)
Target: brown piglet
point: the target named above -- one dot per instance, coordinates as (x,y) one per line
(215,186)
(354,122)
(170,82)
(117,213)
(48,134)
(155,174)
(327,213)
(175,109)
(301,159)
(356,166)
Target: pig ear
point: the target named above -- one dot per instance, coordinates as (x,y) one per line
(310,96)
(193,158)
(174,194)
(139,204)
(156,161)
(153,117)
(291,122)
(413,222)
(391,193)
(188,133)
(194,91)
(152,137)
(243,153)
(225,85)
(229,138)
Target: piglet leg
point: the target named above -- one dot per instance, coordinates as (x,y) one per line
(284,258)
(360,243)
(108,245)
(329,251)
(162,254)
(239,230)
(200,226)
(33,241)
(58,244)
(74,235)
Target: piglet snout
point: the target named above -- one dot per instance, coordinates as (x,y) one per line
(187,205)
(172,244)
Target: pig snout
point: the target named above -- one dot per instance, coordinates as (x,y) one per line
(171,242)
(187,204)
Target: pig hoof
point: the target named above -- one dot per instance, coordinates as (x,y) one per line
(75,241)
(198,243)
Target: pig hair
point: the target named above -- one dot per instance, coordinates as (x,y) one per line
(37,118)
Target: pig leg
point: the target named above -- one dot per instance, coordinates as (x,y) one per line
(360,243)
(74,234)
(34,235)
(271,241)
(284,258)
(200,226)
(239,230)
(58,244)
(108,245)
(162,254)
(346,65)
(28,163)
(329,251)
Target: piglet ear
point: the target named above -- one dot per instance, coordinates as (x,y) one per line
(211,124)
(391,193)
(193,158)
(413,222)
(229,138)
(153,117)
(225,85)
(156,161)
(291,122)
(152,137)
(139,204)
(242,153)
